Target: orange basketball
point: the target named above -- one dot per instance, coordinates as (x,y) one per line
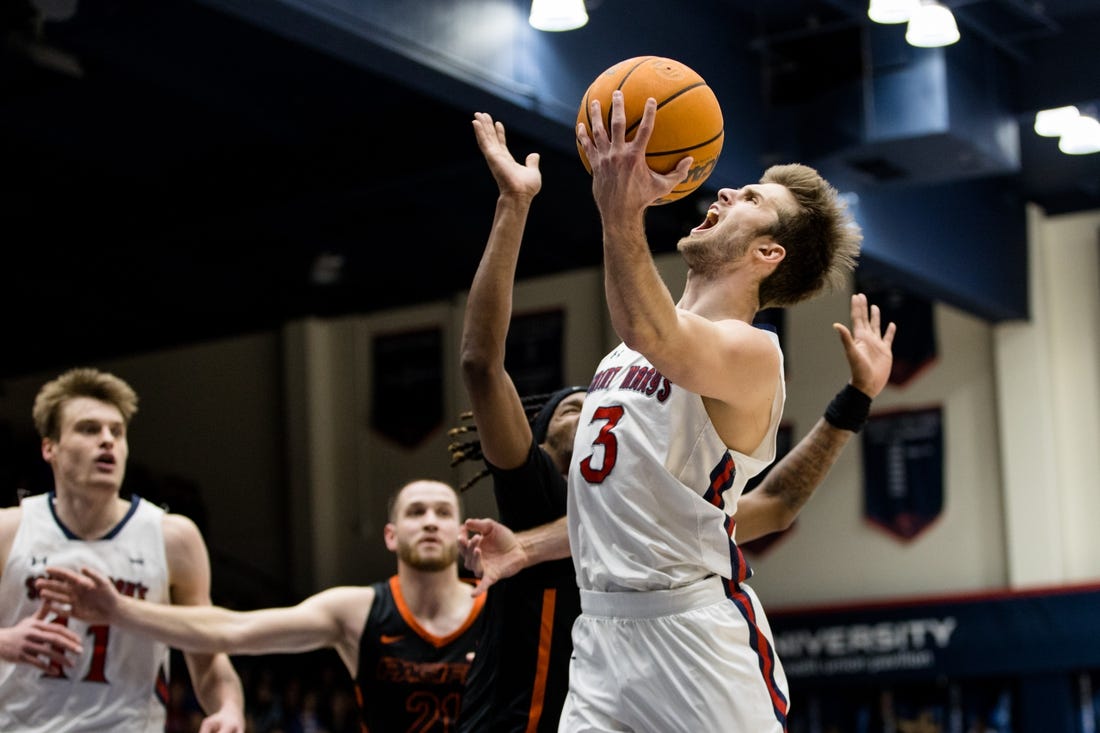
(689,119)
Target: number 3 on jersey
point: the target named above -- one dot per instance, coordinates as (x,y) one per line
(605,439)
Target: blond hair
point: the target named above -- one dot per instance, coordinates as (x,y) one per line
(820,237)
(80,382)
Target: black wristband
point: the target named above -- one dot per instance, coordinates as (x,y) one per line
(849,409)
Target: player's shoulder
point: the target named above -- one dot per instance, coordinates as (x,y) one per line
(744,329)
(750,339)
(181,534)
(179,523)
(10,517)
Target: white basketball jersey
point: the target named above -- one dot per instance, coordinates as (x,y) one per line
(652,487)
(120,682)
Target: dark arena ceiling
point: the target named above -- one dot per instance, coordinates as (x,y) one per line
(176,171)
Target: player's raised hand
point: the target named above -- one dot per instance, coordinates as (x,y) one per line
(868,348)
(495,551)
(622,180)
(511,176)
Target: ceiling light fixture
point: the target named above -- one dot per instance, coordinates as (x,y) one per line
(1053,122)
(891,11)
(1081,136)
(557,15)
(932,25)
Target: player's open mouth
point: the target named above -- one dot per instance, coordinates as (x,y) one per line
(711,220)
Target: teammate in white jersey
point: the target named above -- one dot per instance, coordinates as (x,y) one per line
(99,677)
(677,419)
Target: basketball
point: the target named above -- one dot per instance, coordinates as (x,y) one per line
(688,122)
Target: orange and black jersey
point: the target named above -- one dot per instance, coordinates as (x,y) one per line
(411,681)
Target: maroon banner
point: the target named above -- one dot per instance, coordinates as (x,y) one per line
(408,385)
(903,470)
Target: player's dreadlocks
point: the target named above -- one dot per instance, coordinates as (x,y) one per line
(538,408)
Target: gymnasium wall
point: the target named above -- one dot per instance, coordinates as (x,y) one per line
(275,431)
(832,553)
(1049,400)
(213,416)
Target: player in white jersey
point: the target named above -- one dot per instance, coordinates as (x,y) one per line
(118,681)
(498,552)
(677,419)
(652,517)
(495,551)
(639,420)
(99,677)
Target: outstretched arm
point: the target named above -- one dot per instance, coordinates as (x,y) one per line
(206,633)
(494,552)
(315,623)
(774,504)
(498,412)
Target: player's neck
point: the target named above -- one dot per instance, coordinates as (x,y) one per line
(89,514)
(434,596)
(731,294)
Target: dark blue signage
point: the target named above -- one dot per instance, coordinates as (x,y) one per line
(1011,634)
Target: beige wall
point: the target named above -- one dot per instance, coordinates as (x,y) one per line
(274,428)
(1049,398)
(832,554)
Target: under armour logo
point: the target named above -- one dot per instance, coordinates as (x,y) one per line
(35,560)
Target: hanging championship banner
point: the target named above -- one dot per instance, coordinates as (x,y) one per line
(533,352)
(407,394)
(903,470)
